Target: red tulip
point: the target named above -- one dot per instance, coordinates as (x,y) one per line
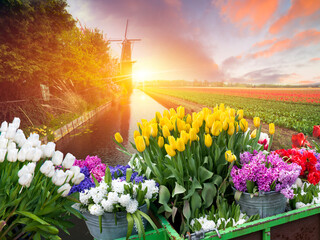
(316,131)
(299,140)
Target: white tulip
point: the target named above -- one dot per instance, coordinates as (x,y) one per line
(70,175)
(34,139)
(2,154)
(11,131)
(68,160)
(65,189)
(27,144)
(12,145)
(12,155)
(4,126)
(52,172)
(22,155)
(30,153)
(49,149)
(46,167)
(16,122)
(59,177)
(31,167)
(57,158)
(78,179)
(23,170)
(75,170)
(42,147)
(3,143)
(20,138)
(37,155)
(25,180)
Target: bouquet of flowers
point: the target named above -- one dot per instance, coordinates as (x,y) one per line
(35,181)
(309,161)
(120,190)
(258,172)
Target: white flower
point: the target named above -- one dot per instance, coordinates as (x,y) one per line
(241,221)
(96,209)
(68,160)
(132,206)
(46,167)
(4,126)
(49,149)
(124,200)
(26,179)
(84,197)
(37,155)
(57,158)
(31,167)
(30,153)
(264,136)
(16,122)
(78,178)
(113,197)
(298,183)
(59,177)
(97,198)
(11,131)
(65,189)
(27,144)
(34,139)
(20,138)
(75,170)
(102,187)
(11,145)
(107,205)
(52,172)
(152,188)
(12,155)
(69,175)
(3,143)
(118,185)
(208,225)
(300,205)
(2,154)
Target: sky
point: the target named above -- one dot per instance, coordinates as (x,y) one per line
(235,41)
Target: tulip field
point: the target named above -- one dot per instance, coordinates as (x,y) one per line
(297,109)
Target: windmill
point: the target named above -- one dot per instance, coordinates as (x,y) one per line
(125,60)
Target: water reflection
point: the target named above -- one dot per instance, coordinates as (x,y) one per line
(94,137)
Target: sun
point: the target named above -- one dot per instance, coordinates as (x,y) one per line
(141,75)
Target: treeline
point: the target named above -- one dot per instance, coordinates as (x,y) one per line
(41,45)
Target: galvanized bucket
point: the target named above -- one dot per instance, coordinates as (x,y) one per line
(266,204)
(109,229)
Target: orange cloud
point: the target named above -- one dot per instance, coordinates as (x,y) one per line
(304,38)
(298,9)
(264,43)
(248,13)
(307,82)
(314,59)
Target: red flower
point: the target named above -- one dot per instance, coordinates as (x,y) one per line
(316,131)
(299,140)
(314,177)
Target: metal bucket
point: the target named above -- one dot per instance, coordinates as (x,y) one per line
(266,204)
(109,229)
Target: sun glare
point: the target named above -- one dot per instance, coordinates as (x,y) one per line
(141,75)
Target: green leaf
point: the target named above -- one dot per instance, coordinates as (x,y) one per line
(196,202)
(32,216)
(164,196)
(250,186)
(149,220)
(208,194)
(204,174)
(217,180)
(100,223)
(237,195)
(130,225)
(178,190)
(186,210)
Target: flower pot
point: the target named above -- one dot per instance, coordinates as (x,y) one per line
(109,228)
(266,204)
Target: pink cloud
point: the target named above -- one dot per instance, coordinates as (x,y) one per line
(304,38)
(314,59)
(264,43)
(298,9)
(253,14)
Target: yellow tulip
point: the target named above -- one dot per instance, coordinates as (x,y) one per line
(181,125)
(189,120)
(240,114)
(243,125)
(169,124)
(253,134)
(221,107)
(118,137)
(172,142)
(236,126)
(139,125)
(216,115)
(136,134)
(165,131)
(158,116)
(207,130)
(154,129)
(140,144)
(194,116)
(188,127)
(193,134)
(185,136)
(172,112)
(256,122)
(146,140)
(231,128)
(180,145)
(216,128)
(229,156)
(232,112)
(166,114)
(216,108)
(146,131)
(208,140)
(209,120)
(180,112)
(160,142)
(271,128)
(170,151)
(223,116)
(225,124)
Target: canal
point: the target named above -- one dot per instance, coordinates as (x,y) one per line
(94,138)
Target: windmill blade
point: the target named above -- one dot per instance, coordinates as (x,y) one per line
(125,34)
(134,39)
(115,40)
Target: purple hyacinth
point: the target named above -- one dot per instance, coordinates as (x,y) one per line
(86,183)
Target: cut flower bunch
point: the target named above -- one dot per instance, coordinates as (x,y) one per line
(191,156)
(35,182)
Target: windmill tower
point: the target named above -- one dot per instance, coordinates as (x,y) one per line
(125,60)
